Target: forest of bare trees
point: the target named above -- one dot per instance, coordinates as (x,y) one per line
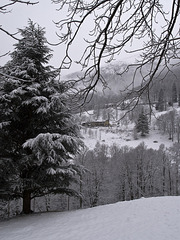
(116,173)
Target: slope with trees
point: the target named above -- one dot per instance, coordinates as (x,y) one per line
(124,173)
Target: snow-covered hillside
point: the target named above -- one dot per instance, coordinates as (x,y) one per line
(122,134)
(109,137)
(143,219)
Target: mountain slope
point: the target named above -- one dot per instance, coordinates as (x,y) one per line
(143,219)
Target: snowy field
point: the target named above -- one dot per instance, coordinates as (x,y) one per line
(123,134)
(105,136)
(143,219)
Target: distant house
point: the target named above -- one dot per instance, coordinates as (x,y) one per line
(96,124)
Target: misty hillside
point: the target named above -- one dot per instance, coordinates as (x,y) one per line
(117,80)
(118,77)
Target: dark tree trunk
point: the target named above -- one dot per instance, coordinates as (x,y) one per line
(27,201)
(81,190)
(170,182)
(164,172)
(123,188)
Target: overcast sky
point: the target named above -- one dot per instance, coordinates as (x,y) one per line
(43,13)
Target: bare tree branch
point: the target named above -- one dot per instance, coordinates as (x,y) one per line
(4,9)
(10,34)
(117,25)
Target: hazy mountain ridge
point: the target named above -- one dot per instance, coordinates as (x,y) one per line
(119,79)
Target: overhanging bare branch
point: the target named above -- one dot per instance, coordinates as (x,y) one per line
(116,25)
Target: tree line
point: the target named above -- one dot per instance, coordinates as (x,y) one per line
(124,173)
(117,173)
(168,123)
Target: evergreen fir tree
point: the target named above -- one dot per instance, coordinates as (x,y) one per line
(37,133)
(160,103)
(142,124)
(174,93)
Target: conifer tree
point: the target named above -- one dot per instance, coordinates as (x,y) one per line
(174,93)
(160,103)
(37,133)
(142,124)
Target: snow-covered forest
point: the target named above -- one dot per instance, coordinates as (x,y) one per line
(64,165)
(97,159)
(118,162)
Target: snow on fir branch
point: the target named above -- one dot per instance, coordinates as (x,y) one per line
(18,91)
(50,141)
(4,124)
(35,100)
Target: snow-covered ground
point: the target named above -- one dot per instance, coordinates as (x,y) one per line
(123,134)
(105,136)
(143,219)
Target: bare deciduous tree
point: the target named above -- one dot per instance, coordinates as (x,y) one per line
(117,24)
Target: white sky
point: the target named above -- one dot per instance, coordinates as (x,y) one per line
(43,13)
